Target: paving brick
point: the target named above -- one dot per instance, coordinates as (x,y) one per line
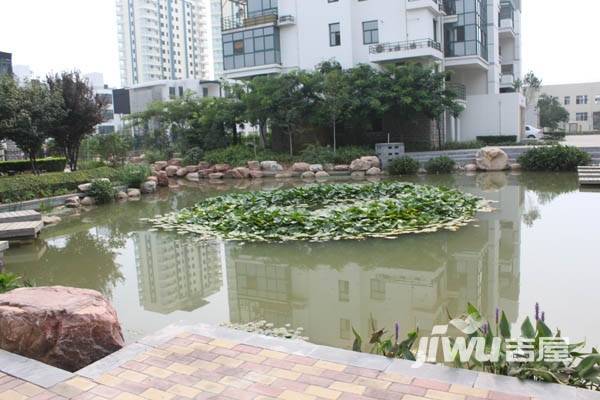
(132,376)
(329,365)
(301,359)
(408,389)
(323,392)
(156,394)
(338,376)
(395,378)
(287,384)
(157,372)
(238,394)
(365,372)
(372,383)
(228,361)
(430,384)
(209,386)
(28,389)
(315,380)
(259,378)
(285,374)
(223,343)
(182,368)
(438,395)
(291,395)
(184,391)
(502,396)
(12,395)
(308,370)
(469,391)
(273,354)
(348,387)
(384,394)
(265,390)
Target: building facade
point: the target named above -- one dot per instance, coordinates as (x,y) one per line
(582,101)
(5,63)
(164,39)
(479,41)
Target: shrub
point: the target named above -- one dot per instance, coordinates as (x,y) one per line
(440,165)
(52,164)
(238,155)
(91,164)
(133,175)
(497,139)
(10,281)
(404,166)
(152,156)
(554,158)
(102,191)
(323,155)
(193,156)
(29,187)
(473,144)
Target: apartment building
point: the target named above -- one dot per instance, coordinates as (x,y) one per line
(582,101)
(164,39)
(479,41)
(5,63)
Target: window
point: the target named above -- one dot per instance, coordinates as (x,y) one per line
(204,92)
(567,100)
(597,99)
(370,32)
(377,289)
(251,48)
(581,116)
(344,291)
(335,38)
(582,99)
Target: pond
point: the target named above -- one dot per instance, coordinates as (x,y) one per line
(541,245)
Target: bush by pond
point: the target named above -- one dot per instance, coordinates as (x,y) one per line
(403,166)
(29,187)
(325,155)
(238,155)
(554,158)
(51,164)
(440,165)
(133,175)
(326,212)
(102,191)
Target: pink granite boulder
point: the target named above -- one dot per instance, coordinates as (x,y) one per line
(68,328)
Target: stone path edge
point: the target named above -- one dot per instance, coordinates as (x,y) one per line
(46,376)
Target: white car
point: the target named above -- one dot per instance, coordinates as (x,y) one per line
(533,132)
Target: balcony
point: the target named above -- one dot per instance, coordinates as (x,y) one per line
(262,17)
(507,80)
(506,28)
(286,20)
(435,6)
(459,89)
(407,50)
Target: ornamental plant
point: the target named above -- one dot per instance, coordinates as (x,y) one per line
(404,166)
(326,212)
(440,165)
(554,158)
(102,191)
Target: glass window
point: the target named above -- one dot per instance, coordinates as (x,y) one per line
(377,289)
(370,32)
(335,38)
(250,48)
(581,116)
(344,291)
(597,99)
(581,99)
(567,100)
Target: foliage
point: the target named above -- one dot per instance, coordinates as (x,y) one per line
(579,369)
(29,187)
(314,154)
(238,155)
(85,165)
(552,113)
(440,165)
(102,191)
(152,156)
(473,144)
(51,164)
(404,166)
(133,175)
(326,212)
(554,158)
(497,139)
(112,147)
(82,111)
(9,282)
(29,113)
(193,156)
(268,329)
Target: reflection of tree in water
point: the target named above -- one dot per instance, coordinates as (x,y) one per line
(85,261)
(543,188)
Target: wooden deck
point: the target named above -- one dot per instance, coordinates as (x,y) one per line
(589,175)
(20,230)
(20,216)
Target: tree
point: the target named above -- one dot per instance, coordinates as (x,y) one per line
(82,112)
(112,147)
(29,113)
(531,85)
(551,112)
(336,98)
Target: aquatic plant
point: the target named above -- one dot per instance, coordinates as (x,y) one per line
(326,212)
(403,166)
(9,281)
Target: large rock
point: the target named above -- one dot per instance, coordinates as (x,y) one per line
(341,167)
(283,175)
(175,161)
(308,175)
(181,172)
(203,165)
(255,174)
(492,159)
(163,178)
(373,160)
(84,187)
(470,168)
(160,165)
(121,196)
(133,193)
(193,176)
(172,170)
(72,202)
(301,167)
(68,328)
(88,201)
(221,167)
(51,219)
(360,165)
(239,173)
(216,175)
(153,179)
(316,168)
(321,175)
(192,168)
(253,165)
(271,166)
(149,187)
(373,171)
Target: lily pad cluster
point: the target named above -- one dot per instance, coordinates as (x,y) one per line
(325,212)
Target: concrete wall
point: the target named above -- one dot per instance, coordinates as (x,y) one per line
(592,90)
(493,115)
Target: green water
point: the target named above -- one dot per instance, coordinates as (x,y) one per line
(541,245)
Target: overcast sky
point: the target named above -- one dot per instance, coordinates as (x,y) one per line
(560,39)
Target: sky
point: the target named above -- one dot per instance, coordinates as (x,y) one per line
(559,38)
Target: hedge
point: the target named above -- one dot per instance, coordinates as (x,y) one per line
(29,187)
(554,158)
(497,139)
(51,164)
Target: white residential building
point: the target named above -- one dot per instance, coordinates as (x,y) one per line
(479,41)
(164,39)
(112,122)
(582,101)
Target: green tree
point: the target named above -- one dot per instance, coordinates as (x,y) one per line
(335,96)
(551,112)
(28,114)
(112,147)
(82,112)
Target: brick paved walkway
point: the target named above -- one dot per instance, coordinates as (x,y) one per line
(192,366)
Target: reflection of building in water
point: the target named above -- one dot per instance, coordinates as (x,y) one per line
(176,274)
(328,288)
